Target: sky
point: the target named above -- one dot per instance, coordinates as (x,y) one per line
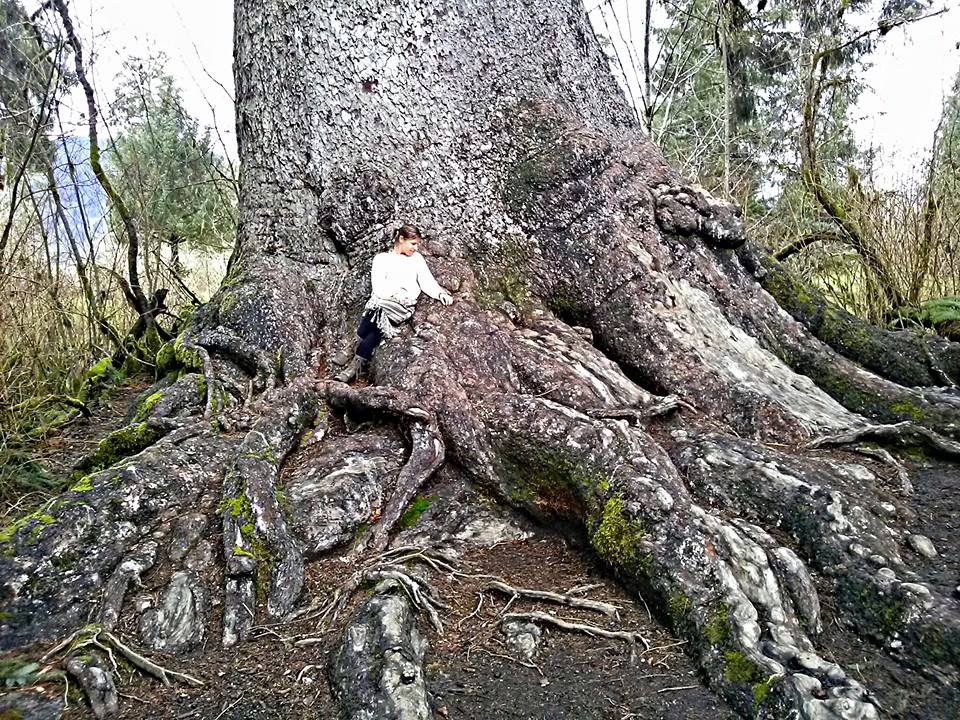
(196,36)
(911,70)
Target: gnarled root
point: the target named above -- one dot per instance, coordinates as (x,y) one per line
(258,546)
(839,534)
(426,452)
(96,681)
(902,433)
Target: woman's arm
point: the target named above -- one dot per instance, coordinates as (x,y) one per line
(428,283)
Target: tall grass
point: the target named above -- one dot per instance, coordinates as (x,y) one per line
(49,340)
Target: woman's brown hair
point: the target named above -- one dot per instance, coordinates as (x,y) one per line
(406,232)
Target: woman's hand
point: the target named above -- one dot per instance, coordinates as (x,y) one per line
(446,298)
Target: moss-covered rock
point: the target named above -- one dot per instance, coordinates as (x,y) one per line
(119,444)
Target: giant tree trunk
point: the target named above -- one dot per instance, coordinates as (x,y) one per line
(592,286)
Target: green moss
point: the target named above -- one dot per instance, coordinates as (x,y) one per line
(738,668)
(166,359)
(886,611)
(565,306)
(617,539)
(143,410)
(938,646)
(187,357)
(63,561)
(762,689)
(237,505)
(554,486)
(265,454)
(101,374)
(118,445)
(414,511)
(264,566)
(717,628)
(84,484)
(679,605)
(228,301)
(100,369)
(36,522)
(237,550)
(908,407)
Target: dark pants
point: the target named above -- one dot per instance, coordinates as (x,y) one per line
(369,334)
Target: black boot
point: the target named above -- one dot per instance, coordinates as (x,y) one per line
(353,371)
(343,358)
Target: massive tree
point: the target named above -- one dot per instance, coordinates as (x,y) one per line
(611,367)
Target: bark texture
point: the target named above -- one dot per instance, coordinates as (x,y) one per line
(610,367)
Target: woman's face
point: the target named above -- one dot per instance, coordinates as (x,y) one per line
(407,246)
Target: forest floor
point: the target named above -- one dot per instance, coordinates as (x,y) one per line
(471,673)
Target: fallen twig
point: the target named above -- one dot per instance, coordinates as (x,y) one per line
(531,665)
(906,487)
(678,687)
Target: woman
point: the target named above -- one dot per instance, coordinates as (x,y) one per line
(397,279)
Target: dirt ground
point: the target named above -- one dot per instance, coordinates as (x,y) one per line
(470,671)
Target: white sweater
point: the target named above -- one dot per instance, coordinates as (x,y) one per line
(401,278)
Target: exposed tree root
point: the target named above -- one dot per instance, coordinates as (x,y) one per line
(568,600)
(903,433)
(136,563)
(902,356)
(85,663)
(209,374)
(842,536)
(426,453)
(378,671)
(97,636)
(548,619)
(258,546)
(97,683)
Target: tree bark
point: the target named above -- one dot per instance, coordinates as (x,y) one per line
(591,285)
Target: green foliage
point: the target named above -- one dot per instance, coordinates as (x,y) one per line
(723,65)
(942,313)
(174,182)
(28,76)
(17,671)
